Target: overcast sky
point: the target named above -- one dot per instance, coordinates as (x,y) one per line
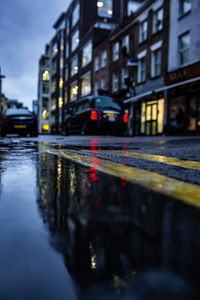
(25,28)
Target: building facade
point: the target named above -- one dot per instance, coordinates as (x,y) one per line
(44,99)
(183,76)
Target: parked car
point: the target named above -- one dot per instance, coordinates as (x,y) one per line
(19,121)
(96,114)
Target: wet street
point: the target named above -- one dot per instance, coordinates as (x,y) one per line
(99,218)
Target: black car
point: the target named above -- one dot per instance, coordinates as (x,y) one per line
(96,114)
(19,121)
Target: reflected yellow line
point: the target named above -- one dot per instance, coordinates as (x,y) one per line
(190,164)
(184,191)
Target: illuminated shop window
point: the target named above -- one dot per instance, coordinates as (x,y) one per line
(87,54)
(86,85)
(74,92)
(45,127)
(76,14)
(60,82)
(75,40)
(45,114)
(74,65)
(60,102)
(105,8)
(46,76)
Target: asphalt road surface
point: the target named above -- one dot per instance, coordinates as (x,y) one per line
(99,217)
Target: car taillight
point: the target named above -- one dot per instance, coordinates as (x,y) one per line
(5,119)
(93,115)
(125,118)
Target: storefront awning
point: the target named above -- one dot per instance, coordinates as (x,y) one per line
(164,88)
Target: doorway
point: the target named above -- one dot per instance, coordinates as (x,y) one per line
(151,118)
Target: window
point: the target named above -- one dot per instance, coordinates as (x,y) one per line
(104,59)
(142,70)
(184,44)
(96,87)
(116,51)
(67,50)
(54,66)
(45,88)
(67,27)
(103,83)
(75,40)
(133,6)
(75,14)
(66,73)
(45,75)
(74,65)
(45,102)
(158,20)
(66,96)
(54,49)
(143,31)
(124,76)
(104,8)
(96,63)
(115,82)
(184,6)
(73,92)
(53,86)
(156,63)
(86,85)
(125,43)
(87,54)
(45,114)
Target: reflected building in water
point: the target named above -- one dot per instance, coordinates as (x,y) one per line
(107,236)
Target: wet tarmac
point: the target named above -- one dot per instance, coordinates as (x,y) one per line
(69,231)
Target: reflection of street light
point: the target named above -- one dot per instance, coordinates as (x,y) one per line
(1,102)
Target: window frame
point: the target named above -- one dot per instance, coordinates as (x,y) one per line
(143,35)
(181,51)
(156,20)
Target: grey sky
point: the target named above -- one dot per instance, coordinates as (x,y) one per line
(25,28)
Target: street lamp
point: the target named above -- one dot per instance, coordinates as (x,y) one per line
(1,101)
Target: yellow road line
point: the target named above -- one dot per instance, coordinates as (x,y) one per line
(184,191)
(190,164)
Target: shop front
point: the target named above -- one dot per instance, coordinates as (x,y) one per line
(183,96)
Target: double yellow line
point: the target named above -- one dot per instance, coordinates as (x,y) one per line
(184,191)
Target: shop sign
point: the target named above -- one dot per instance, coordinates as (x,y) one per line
(182,74)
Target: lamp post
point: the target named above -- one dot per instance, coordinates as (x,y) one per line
(1,101)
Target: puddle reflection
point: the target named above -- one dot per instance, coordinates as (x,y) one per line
(108,230)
